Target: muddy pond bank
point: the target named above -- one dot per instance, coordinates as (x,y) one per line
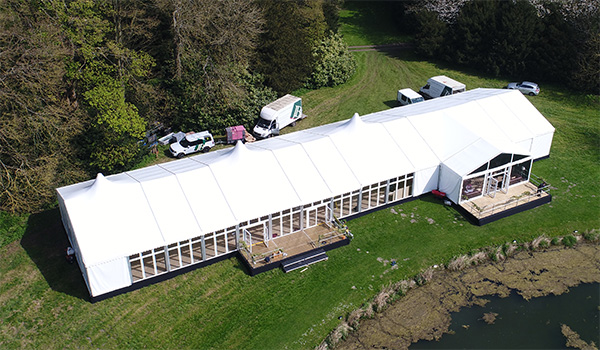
(425,312)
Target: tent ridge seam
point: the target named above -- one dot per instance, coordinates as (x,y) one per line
(313,163)
(186,199)
(149,207)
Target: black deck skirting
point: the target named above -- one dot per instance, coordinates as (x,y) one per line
(494,217)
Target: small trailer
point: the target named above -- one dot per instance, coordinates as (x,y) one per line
(238,133)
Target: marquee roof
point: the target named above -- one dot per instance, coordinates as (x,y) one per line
(124,214)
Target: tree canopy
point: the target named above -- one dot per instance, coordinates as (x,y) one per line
(81,81)
(541,40)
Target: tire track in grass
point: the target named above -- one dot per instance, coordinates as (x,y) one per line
(348,94)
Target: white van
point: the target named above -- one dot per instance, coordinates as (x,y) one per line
(441,86)
(408,97)
(277,115)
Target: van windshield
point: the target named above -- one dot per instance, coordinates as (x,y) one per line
(263,123)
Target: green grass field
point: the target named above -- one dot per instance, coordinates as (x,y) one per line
(43,300)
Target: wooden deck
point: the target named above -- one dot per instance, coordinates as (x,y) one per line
(291,244)
(517,195)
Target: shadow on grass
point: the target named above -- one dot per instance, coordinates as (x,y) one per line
(391,103)
(430,198)
(45,241)
(372,21)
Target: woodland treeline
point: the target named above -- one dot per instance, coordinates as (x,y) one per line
(82,81)
(539,40)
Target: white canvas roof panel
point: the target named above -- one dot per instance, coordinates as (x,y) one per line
(204,196)
(472,157)
(299,169)
(112,219)
(505,120)
(529,115)
(168,203)
(366,146)
(253,182)
(418,152)
(444,136)
(331,165)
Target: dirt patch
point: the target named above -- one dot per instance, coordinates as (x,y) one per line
(574,341)
(489,317)
(424,313)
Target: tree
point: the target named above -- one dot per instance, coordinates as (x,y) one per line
(334,64)
(495,36)
(292,29)
(38,115)
(431,35)
(554,47)
(331,13)
(101,71)
(587,39)
(213,43)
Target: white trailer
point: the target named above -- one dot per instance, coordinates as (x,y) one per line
(440,86)
(277,115)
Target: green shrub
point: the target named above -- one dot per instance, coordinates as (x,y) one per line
(592,235)
(334,64)
(544,244)
(569,240)
(555,241)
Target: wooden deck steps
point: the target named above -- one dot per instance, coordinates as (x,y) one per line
(303,260)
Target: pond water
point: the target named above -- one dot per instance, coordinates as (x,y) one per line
(521,324)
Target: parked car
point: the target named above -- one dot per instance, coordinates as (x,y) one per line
(526,87)
(196,142)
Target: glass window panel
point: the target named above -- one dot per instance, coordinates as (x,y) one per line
(174,258)
(365,200)
(197,251)
(408,188)
(186,258)
(373,198)
(499,160)
(296,221)
(354,204)
(517,157)
(209,242)
(286,224)
(149,266)
(161,262)
(136,270)
(519,172)
(480,169)
(231,243)
(472,187)
(221,244)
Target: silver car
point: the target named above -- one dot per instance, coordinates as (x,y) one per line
(526,87)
